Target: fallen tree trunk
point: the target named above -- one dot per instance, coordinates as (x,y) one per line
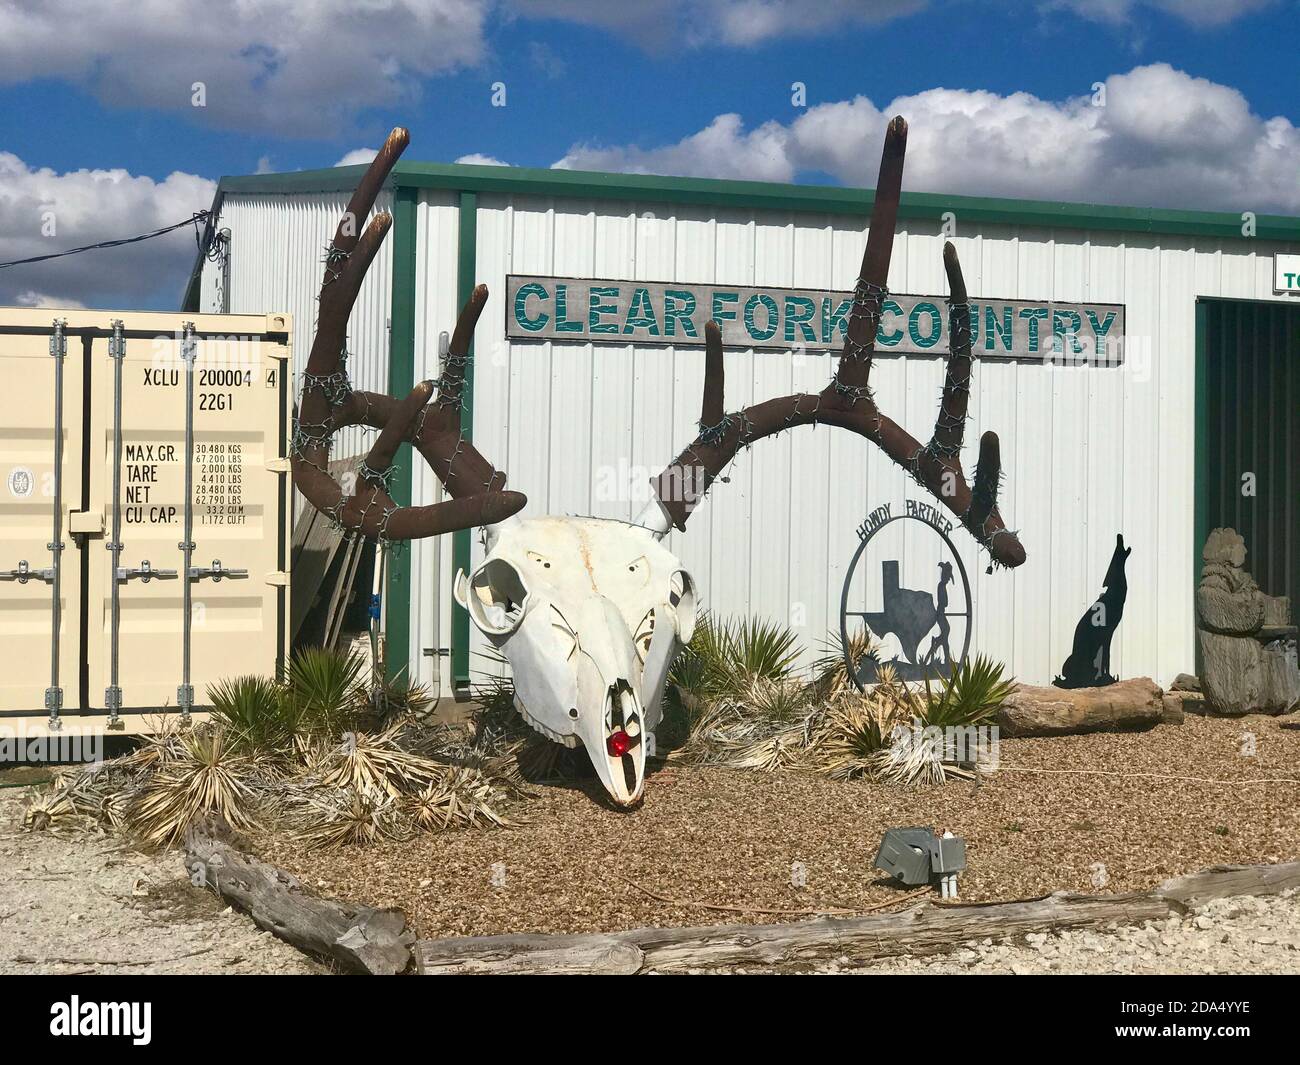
(1124,705)
(359,938)
(921,930)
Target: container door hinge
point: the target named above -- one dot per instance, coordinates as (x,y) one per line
(279,579)
(278,465)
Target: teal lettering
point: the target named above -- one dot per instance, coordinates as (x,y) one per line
(719,298)
(833,320)
(888,339)
(799,318)
(562,324)
(1100,329)
(674,314)
(773,315)
(533,325)
(914,325)
(1059,332)
(641,315)
(995,330)
(1034,315)
(597,309)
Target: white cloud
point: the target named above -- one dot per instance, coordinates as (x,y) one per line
(38,300)
(42,211)
(357,155)
(721,149)
(1200,13)
(1163,138)
(281,66)
(658,24)
(479,159)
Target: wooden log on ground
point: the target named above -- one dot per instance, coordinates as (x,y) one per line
(1222,881)
(1125,705)
(926,929)
(359,938)
(595,954)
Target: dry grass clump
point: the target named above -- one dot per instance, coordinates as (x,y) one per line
(317,754)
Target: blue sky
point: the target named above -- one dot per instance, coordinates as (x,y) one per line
(674,86)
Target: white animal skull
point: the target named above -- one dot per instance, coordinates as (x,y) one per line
(589,613)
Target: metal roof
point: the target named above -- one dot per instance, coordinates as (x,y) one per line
(754,195)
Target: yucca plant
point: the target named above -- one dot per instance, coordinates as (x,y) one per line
(205,775)
(397,697)
(701,670)
(969,696)
(853,730)
(49,809)
(332,820)
(729,662)
(462,797)
(374,766)
(325,692)
(755,649)
(830,672)
(256,712)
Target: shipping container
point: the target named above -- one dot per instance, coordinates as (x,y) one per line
(145,511)
(580,423)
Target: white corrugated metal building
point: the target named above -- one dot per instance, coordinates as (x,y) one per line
(1136,449)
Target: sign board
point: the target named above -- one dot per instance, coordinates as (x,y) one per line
(1286,274)
(921,634)
(585,310)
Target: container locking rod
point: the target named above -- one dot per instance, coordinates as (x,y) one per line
(54,693)
(113,693)
(185,690)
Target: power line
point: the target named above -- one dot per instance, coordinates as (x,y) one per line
(194,220)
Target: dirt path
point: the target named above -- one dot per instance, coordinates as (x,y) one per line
(92,904)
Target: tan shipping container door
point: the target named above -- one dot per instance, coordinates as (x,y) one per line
(27,413)
(240,505)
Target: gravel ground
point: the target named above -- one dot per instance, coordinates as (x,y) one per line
(733,839)
(94,905)
(798,842)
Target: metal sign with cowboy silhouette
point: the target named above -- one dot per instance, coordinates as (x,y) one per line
(907,590)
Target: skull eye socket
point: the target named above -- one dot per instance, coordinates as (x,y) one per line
(498,597)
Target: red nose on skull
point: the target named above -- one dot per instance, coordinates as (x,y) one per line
(618,744)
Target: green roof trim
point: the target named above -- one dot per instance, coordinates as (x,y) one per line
(763,195)
(758,195)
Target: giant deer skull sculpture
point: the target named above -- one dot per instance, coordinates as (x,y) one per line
(591,612)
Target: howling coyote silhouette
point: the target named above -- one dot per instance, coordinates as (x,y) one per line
(1089,663)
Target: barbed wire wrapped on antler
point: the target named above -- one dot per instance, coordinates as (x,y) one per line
(430,423)
(847,402)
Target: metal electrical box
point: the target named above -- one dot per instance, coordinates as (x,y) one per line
(145,510)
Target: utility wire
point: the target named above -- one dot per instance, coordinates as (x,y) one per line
(194,220)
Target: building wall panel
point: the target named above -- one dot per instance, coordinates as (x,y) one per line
(581,428)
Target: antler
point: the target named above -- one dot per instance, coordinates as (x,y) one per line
(847,402)
(328,402)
